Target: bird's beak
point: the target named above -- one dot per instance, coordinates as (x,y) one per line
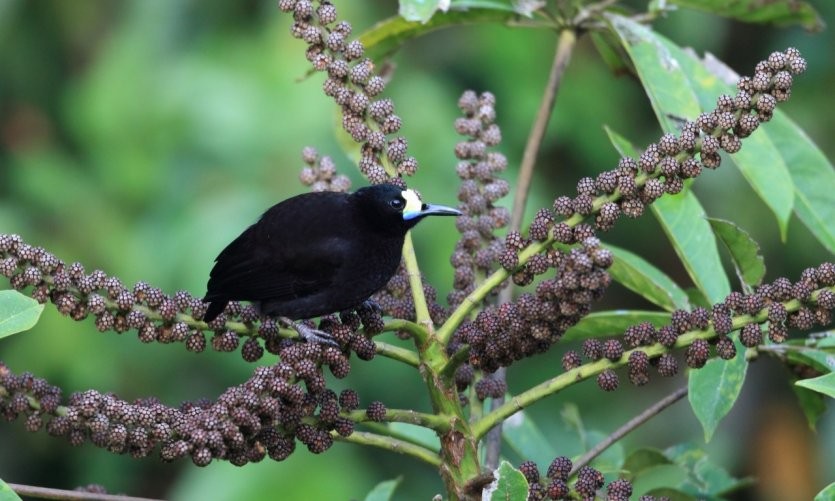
(430,210)
(437,210)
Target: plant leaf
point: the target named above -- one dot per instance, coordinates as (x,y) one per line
(416,433)
(779,12)
(657,477)
(812,174)
(18,313)
(384,490)
(705,479)
(388,35)
(509,484)
(421,10)
(683,220)
(714,388)
(644,458)
(811,403)
(6,492)
(615,322)
(638,275)
(823,384)
(661,64)
(671,494)
(745,252)
(758,161)
(819,359)
(827,494)
(526,439)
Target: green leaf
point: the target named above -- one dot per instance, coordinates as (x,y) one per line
(745,252)
(18,313)
(638,275)
(527,7)
(697,298)
(527,440)
(661,64)
(714,388)
(644,458)
(615,322)
(420,10)
(509,484)
(812,174)
(657,477)
(714,480)
(827,494)
(611,52)
(683,220)
(823,384)
(758,161)
(415,433)
(6,493)
(704,478)
(819,359)
(388,35)
(384,490)
(811,403)
(666,85)
(671,494)
(779,12)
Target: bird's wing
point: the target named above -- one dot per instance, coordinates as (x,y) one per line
(255,267)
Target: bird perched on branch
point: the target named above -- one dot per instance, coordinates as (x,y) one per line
(318,253)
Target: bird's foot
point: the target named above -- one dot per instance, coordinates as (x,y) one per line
(371,306)
(310,334)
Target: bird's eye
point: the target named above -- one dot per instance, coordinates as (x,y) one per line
(397,204)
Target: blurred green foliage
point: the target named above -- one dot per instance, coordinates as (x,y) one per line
(141,136)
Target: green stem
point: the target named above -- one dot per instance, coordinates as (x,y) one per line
(399,324)
(382,429)
(390,444)
(416,285)
(585,371)
(397,353)
(436,422)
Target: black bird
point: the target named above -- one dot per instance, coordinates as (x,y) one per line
(317,253)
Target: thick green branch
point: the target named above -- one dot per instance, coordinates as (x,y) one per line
(435,422)
(416,284)
(586,371)
(391,444)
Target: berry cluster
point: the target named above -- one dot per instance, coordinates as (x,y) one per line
(319,173)
(478,249)
(555,484)
(502,334)
(156,316)
(264,416)
(395,299)
(663,166)
(352,84)
(778,305)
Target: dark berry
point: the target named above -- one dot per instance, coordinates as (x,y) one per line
(607,380)
(667,365)
(697,354)
(725,348)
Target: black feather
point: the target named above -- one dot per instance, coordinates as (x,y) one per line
(314,254)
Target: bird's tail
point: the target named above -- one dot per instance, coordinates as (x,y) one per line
(216,307)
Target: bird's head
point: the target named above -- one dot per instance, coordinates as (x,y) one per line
(393,207)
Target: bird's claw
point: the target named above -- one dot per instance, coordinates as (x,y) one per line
(372,306)
(309,334)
